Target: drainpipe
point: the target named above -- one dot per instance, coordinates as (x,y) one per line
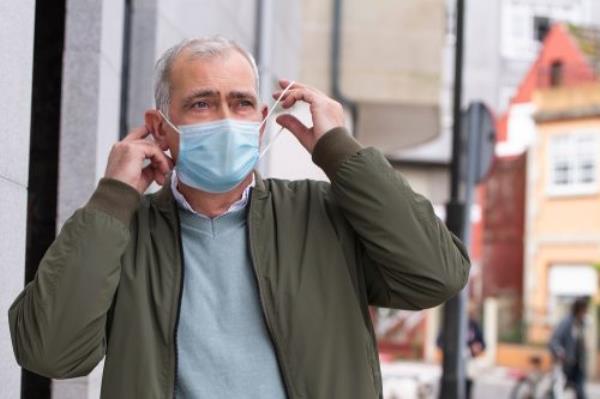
(125,70)
(336,90)
(263,45)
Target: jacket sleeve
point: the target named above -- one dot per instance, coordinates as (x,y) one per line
(410,259)
(57,323)
(557,341)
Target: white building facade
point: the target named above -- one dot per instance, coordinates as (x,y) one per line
(108,56)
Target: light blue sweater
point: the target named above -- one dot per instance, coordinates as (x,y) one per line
(224,348)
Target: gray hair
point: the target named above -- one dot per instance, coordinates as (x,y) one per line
(202,47)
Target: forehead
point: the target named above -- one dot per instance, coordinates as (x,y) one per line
(226,72)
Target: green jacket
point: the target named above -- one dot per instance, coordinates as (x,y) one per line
(110,284)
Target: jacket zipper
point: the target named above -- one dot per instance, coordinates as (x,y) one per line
(274,341)
(181,266)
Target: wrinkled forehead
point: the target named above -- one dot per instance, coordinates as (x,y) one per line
(225,72)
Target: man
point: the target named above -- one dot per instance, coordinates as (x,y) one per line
(567,346)
(475,346)
(223,284)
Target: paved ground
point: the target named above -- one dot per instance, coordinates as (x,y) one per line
(414,380)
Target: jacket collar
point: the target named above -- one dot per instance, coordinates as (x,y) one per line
(163,199)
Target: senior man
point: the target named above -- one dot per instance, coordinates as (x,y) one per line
(222,284)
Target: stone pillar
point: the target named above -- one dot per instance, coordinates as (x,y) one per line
(16,47)
(89,123)
(141,60)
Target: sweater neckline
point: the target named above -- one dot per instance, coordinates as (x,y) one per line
(213,227)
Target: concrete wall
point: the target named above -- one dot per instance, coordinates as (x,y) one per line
(90,113)
(16,47)
(482,57)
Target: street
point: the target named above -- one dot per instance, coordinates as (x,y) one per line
(408,380)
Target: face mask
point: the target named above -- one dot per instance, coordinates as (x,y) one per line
(216,156)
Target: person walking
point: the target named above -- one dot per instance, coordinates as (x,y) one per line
(568,347)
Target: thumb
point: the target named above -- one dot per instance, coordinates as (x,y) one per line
(292,124)
(298,129)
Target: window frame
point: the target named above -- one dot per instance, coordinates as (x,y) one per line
(573,152)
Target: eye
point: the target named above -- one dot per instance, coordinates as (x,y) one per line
(246,103)
(200,105)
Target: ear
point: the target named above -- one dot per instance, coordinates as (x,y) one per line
(264,112)
(156,125)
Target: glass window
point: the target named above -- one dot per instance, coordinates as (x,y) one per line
(541,27)
(556,73)
(573,164)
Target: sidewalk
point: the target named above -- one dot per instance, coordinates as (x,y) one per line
(408,380)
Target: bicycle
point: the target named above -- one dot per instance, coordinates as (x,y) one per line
(542,385)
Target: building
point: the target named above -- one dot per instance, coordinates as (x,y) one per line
(503,41)
(563,212)
(504,38)
(77,76)
(504,207)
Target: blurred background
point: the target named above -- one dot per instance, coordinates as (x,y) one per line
(76,75)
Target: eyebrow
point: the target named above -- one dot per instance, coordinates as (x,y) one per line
(242,94)
(208,93)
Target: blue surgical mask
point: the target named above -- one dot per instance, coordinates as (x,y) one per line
(217,156)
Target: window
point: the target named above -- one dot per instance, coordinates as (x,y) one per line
(517,32)
(541,27)
(556,73)
(573,165)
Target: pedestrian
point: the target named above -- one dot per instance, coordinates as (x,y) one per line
(224,284)
(568,347)
(474,348)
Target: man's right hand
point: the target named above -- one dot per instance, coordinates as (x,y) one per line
(126,161)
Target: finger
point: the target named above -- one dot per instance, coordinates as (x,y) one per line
(153,152)
(160,156)
(150,174)
(296,89)
(283,83)
(145,143)
(293,124)
(147,176)
(299,130)
(137,134)
(293,96)
(280,93)
(159,177)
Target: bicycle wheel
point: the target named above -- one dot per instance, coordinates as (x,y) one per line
(524,389)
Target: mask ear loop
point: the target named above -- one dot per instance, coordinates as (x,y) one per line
(276,136)
(168,121)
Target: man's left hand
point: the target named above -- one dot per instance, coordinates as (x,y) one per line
(326,113)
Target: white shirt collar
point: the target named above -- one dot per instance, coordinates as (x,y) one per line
(236,206)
